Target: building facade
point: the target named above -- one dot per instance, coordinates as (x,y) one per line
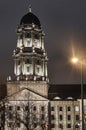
(27,105)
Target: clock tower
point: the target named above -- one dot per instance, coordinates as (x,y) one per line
(30,57)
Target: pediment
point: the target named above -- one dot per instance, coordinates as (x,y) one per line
(26,94)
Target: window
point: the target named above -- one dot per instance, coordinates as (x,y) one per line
(28,61)
(34,108)
(18,124)
(42,108)
(18,107)
(10,116)
(52,125)
(61,126)
(42,116)
(38,69)
(60,117)
(38,62)
(68,125)
(77,117)
(69,108)
(21,36)
(52,108)
(36,36)
(26,108)
(28,68)
(68,117)
(28,43)
(52,117)
(27,35)
(60,108)
(10,107)
(77,108)
(18,62)
(77,126)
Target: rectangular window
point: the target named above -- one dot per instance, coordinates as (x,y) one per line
(10,108)
(27,35)
(52,117)
(42,116)
(28,68)
(60,108)
(60,117)
(38,69)
(26,108)
(68,117)
(36,36)
(34,108)
(42,108)
(21,36)
(77,117)
(28,43)
(18,124)
(52,125)
(68,108)
(52,108)
(68,125)
(76,108)
(18,107)
(61,126)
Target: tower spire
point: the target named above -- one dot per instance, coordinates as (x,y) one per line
(29,7)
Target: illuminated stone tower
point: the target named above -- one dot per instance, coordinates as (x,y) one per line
(30,57)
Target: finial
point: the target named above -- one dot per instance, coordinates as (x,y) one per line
(29,7)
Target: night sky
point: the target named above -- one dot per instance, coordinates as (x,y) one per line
(64,24)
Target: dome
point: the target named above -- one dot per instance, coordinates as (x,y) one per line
(57,97)
(30,18)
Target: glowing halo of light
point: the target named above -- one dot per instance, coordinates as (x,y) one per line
(75,60)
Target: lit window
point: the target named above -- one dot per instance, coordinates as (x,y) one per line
(38,69)
(28,43)
(28,68)
(76,108)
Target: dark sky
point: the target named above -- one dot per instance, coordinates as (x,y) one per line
(64,23)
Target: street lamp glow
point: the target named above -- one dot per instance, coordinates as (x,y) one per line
(75,59)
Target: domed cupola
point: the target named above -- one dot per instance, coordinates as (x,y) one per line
(30,18)
(30,57)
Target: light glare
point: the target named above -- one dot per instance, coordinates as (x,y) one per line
(75,60)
